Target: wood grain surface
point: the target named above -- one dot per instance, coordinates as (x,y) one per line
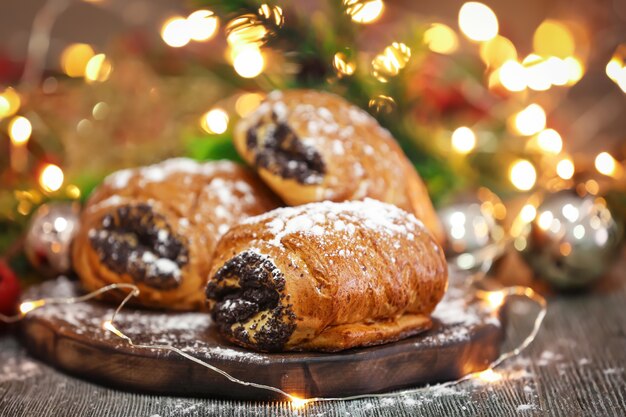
(574,368)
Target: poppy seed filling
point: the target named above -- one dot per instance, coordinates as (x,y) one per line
(278,149)
(247,294)
(136,241)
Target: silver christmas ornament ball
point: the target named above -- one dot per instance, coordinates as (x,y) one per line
(473,235)
(49,237)
(572,240)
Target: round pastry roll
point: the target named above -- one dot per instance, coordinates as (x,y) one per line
(157,227)
(326,276)
(312,146)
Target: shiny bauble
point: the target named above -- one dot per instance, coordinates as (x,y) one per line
(572,240)
(9,290)
(49,237)
(473,235)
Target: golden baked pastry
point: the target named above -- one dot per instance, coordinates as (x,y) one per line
(313,146)
(326,276)
(157,227)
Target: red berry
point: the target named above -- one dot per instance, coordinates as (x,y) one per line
(9,290)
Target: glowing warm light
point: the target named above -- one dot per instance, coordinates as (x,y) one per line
(565,169)
(478,22)
(51,178)
(246,29)
(545,220)
(497,51)
(531,120)
(215,121)
(273,14)
(575,70)
(528,213)
(495,298)
(614,68)
(98,68)
(570,212)
(512,76)
(523,175)
(606,164)
(553,38)
(9,102)
(176,32)
(364,11)
(550,141)
(72,191)
(343,65)
(463,140)
(75,57)
(298,403)
(28,306)
(201,25)
(489,375)
(248,102)
(441,39)
(592,187)
(20,130)
(557,70)
(248,61)
(537,77)
(390,61)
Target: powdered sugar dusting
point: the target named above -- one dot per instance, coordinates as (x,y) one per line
(312,219)
(159,172)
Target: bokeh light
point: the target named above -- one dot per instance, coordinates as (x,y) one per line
(553,38)
(364,11)
(497,51)
(246,30)
(523,175)
(478,22)
(565,168)
(10,102)
(74,59)
(248,61)
(20,130)
(98,68)
(606,164)
(202,25)
(176,32)
(343,65)
(531,120)
(51,178)
(441,39)
(512,76)
(215,121)
(463,140)
(247,103)
(550,141)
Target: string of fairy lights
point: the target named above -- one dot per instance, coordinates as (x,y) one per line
(494,299)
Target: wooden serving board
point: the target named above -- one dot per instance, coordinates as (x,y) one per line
(465,338)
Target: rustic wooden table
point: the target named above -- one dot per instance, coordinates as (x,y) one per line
(576,367)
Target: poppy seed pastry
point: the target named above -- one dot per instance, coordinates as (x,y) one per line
(157,227)
(326,276)
(313,146)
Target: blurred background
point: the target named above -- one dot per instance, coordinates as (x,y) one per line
(504,104)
